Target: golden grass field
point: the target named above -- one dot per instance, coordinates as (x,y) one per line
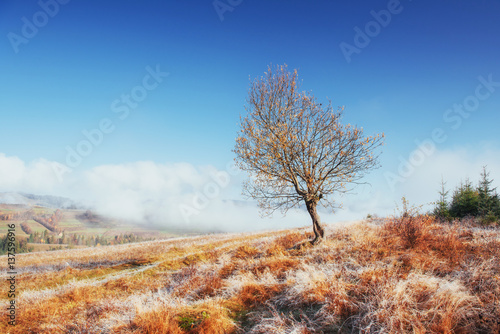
(384,276)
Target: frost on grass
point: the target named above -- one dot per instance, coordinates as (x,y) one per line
(421,302)
(361,278)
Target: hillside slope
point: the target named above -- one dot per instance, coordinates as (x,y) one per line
(37,200)
(368,277)
(46,228)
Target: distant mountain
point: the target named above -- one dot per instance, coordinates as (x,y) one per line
(41,200)
(13,198)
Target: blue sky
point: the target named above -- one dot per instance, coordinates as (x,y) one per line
(63,79)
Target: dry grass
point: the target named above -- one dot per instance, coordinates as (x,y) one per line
(410,275)
(206,318)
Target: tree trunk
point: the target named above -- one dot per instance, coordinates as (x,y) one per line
(318,230)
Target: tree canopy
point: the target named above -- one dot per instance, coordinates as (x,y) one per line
(296,150)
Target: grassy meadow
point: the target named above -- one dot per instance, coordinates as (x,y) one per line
(406,275)
(68,228)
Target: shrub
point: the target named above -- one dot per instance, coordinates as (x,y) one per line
(409,226)
(442,212)
(489,218)
(26,228)
(468,201)
(465,201)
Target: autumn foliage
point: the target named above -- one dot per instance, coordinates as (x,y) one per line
(297,151)
(50,221)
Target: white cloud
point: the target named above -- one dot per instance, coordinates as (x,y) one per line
(152,192)
(454,165)
(11,171)
(37,176)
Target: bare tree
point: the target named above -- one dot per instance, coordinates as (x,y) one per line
(296,151)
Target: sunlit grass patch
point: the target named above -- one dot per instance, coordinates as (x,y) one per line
(422,302)
(209,317)
(276,265)
(360,278)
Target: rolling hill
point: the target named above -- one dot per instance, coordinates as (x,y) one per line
(393,275)
(50,222)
